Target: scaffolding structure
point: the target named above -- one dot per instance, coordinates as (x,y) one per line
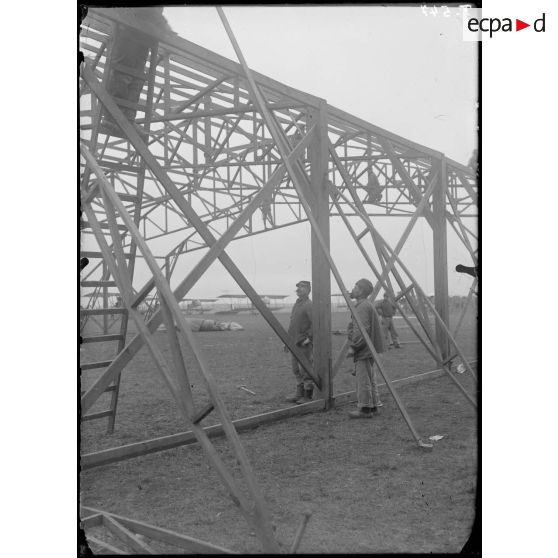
(219,153)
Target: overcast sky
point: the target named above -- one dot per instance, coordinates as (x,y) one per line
(395,67)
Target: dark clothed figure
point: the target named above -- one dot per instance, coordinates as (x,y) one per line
(300,332)
(368,397)
(387,310)
(130,49)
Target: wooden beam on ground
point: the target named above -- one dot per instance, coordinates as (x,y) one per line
(138,449)
(104,545)
(166,536)
(125,535)
(350,396)
(113,455)
(91,520)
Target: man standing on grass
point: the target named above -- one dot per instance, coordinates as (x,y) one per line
(387,310)
(300,332)
(368,397)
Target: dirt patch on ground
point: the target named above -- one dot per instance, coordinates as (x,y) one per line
(368,486)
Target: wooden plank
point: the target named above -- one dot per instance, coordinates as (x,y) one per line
(101,311)
(98,284)
(86,225)
(91,520)
(95,416)
(113,455)
(350,396)
(165,535)
(110,388)
(125,535)
(94,365)
(101,338)
(105,545)
(94,254)
(137,449)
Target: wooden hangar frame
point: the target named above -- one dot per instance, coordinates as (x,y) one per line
(221,153)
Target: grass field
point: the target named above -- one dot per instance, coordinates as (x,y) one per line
(368,486)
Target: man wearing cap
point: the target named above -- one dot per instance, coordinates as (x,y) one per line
(387,310)
(300,332)
(368,398)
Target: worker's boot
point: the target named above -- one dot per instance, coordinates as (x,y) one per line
(365,412)
(308,393)
(298,395)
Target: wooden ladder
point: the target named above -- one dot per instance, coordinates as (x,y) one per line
(105,313)
(106,282)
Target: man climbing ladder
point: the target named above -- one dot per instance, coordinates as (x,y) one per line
(130,50)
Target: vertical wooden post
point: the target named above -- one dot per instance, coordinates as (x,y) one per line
(321,287)
(439,227)
(207,129)
(105,277)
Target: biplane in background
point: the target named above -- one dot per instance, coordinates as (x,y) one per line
(197,305)
(241,303)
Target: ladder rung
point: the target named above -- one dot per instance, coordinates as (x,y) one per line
(102,311)
(98,284)
(91,254)
(86,225)
(128,197)
(104,164)
(123,196)
(99,338)
(93,365)
(99,415)
(110,388)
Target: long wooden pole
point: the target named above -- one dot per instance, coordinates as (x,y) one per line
(260,519)
(281,146)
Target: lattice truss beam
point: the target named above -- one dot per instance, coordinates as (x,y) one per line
(206,133)
(224,153)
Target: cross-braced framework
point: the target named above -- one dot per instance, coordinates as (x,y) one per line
(220,153)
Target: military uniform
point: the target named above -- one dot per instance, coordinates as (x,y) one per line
(300,331)
(387,310)
(130,49)
(368,396)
